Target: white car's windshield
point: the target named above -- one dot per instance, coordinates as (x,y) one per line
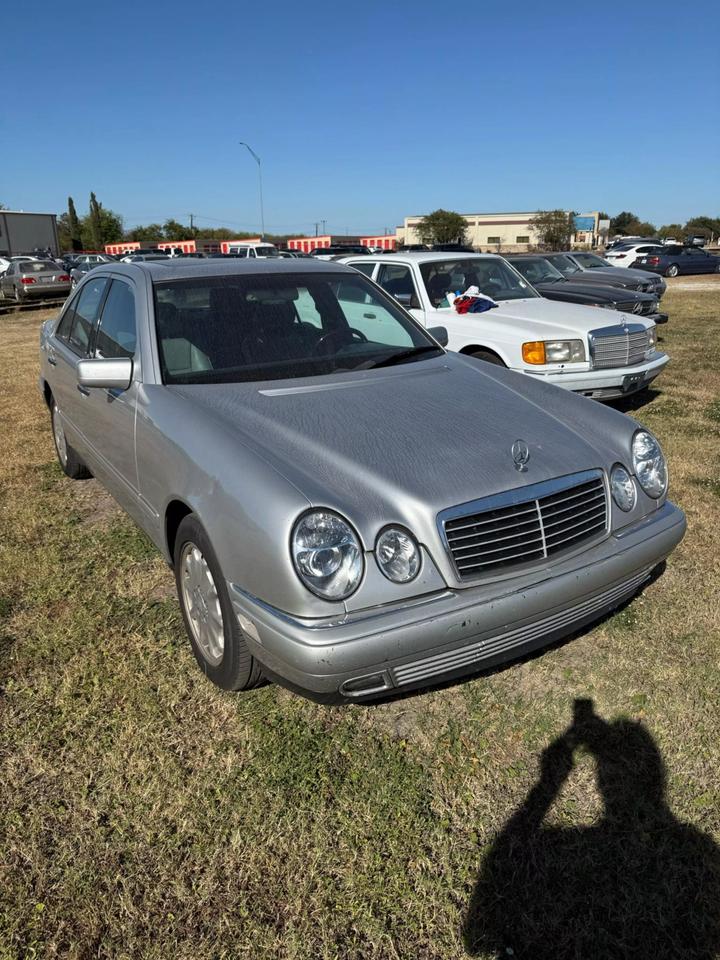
(491,275)
(233,329)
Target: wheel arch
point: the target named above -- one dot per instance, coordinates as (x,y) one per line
(472,348)
(175,513)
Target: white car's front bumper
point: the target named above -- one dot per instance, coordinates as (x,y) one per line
(604,384)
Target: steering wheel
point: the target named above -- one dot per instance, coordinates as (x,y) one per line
(349,335)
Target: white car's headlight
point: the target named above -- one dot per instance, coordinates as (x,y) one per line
(652,339)
(327,554)
(649,464)
(623,489)
(397,555)
(553,351)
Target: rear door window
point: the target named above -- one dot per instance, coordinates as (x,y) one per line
(117,335)
(86,313)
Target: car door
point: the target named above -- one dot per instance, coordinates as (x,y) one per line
(109,415)
(69,344)
(6,281)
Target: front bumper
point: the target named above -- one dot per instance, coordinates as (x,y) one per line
(658,317)
(456,631)
(605,384)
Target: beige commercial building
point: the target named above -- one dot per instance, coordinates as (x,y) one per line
(507,232)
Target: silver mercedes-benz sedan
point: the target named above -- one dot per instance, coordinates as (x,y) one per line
(348,508)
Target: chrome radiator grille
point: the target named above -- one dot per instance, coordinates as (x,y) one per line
(619,346)
(525,526)
(638,307)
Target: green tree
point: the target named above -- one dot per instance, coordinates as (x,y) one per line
(442,226)
(707,226)
(554,228)
(100,226)
(73,226)
(173,230)
(672,230)
(643,228)
(151,231)
(623,223)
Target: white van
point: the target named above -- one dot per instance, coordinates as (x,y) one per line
(259,250)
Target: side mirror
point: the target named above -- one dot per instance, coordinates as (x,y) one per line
(110,374)
(440,334)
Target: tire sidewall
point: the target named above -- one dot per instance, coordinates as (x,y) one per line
(235,670)
(673,267)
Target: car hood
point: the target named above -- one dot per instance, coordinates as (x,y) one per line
(601,293)
(403,443)
(623,275)
(552,318)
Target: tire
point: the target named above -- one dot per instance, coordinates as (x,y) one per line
(717,268)
(488,356)
(210,622)
(672,271)
(19,298)
(70,463)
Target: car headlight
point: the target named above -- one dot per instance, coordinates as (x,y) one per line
(327,554)
(649,464)
(622,487)
(397,555)
(553,351)
(652,339)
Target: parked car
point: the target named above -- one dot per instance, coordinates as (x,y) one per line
(672,261)
(353,512)
(339,250)
(6,261)
(137,257)
(572,346)
(253,250)
(293,254)
(553,285)
(33,280)
(79,270)
(583,267)
(625,254)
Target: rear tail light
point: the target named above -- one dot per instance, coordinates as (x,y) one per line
(620,256)
(63,278)
(27,280)
(653,260)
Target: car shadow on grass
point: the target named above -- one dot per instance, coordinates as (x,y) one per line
(635,401)
(637,884)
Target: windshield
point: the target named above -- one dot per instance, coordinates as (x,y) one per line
(247,328)
(537,270)
(564,264)
(591,260)
(491,275)
(266,251)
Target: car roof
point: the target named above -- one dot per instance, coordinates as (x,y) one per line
(425,256)
(182,269)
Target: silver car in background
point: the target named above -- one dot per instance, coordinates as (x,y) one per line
(348,508)
(34,279)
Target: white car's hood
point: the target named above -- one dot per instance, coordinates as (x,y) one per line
(549,318)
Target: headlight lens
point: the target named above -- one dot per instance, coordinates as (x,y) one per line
(622,486)
(553,351)
(397,555)
(649,464)
(327,554)
(652,339)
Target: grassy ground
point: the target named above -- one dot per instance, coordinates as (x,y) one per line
(145,814)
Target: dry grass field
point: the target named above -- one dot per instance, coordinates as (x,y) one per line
(145,814)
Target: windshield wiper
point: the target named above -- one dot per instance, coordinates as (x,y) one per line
(403,355)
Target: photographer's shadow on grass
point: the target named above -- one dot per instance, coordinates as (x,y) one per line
(637,885)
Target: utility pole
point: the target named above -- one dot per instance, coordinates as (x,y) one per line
(262,212)
(317,224)
(324,230)
(192,216)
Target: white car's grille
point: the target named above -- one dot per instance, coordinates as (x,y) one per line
(525,526)
(619,346)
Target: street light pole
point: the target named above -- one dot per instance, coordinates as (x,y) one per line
(257,160)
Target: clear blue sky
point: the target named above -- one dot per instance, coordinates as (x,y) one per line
(362,112)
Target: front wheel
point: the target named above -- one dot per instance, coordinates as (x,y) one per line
(672,271)
(71,464)
(210,621)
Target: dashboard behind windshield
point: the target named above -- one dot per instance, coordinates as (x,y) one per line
(491,275)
